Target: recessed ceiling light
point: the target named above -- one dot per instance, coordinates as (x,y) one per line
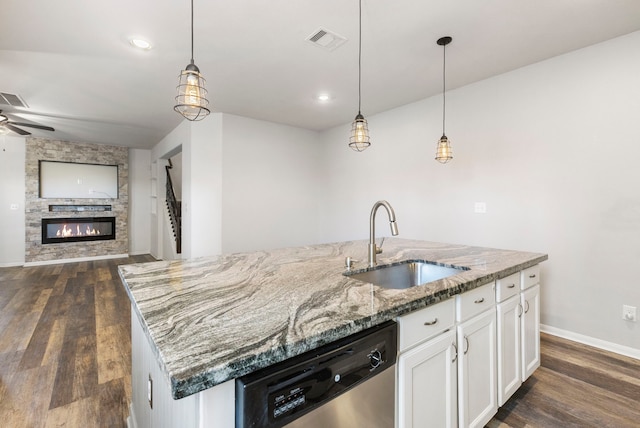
(323,98)
(140,43)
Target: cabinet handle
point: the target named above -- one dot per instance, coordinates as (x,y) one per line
(521,310)
(527,303)
(533,275)
(466,339)
(511,285)
(479,300)
(455,357)
(435,320)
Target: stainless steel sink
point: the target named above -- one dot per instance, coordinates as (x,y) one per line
(406,274)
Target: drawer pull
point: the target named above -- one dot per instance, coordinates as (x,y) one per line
(479,300)
(435,320)
(511,285)
(533,275)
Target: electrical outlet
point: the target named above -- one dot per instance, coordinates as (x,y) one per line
(629,313)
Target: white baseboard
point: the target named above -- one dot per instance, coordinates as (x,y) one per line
(11,264)
(592,341)
(79,259)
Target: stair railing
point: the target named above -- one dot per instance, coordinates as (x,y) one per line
(175,210)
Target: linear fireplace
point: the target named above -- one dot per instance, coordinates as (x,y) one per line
(57,230)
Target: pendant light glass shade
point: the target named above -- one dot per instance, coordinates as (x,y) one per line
(359,139)
(359,134)
(191,101)
(443,152)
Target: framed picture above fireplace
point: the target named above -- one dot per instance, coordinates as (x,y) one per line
(70,180)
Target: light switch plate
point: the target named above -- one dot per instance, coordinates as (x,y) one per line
(480,207)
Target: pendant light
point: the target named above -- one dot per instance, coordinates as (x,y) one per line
(191,101)
(443,152)
(359,139)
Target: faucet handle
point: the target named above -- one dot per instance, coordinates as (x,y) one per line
(379,248)
(348,262)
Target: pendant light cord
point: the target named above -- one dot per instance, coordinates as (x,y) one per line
(444,102)
(359,56)
(192,31)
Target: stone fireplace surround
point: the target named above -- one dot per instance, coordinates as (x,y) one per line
(37,208)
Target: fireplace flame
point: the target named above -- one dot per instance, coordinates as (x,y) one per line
(65,231)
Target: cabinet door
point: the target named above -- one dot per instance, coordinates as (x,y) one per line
(530,331)
(477,379)
(509,358)
(426,394)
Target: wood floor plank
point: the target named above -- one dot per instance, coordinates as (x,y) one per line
(78,414)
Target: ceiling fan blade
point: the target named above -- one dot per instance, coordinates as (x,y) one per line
(46,128)
(16,130)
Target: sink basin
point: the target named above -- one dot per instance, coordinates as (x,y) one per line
(406,274)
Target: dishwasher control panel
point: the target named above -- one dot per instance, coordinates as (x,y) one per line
(275,396)
(285,404)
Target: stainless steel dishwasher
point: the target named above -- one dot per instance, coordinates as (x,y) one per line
(345,384)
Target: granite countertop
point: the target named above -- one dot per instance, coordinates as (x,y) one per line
(213,319)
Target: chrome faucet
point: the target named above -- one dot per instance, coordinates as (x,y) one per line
(373,248)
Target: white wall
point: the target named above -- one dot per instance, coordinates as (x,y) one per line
(553,151)
(202,189)
(271,185)
(139,201)
(246,185)
(12,188)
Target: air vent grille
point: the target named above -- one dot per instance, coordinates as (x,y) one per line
(326,39)
(12,100)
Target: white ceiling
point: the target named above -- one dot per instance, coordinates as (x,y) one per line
(71,61)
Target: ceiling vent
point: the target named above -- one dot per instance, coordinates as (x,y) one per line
(326,39)
(12,100)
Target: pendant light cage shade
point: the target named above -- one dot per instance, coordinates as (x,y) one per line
(359,139)
(443,152)
(191,101)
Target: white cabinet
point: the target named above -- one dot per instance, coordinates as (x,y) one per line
(509,354)
(426,368)
(518,317)
(427,391)
(477,388)
(530,330)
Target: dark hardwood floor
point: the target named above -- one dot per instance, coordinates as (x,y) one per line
(65,359)
(65,345)
(576,386)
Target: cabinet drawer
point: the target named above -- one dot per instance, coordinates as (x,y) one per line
(418,326)
(475,301)
(507,287)
(530,276)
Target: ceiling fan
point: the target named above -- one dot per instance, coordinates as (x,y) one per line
(13,126)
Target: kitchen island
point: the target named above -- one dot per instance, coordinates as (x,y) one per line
(207,321)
